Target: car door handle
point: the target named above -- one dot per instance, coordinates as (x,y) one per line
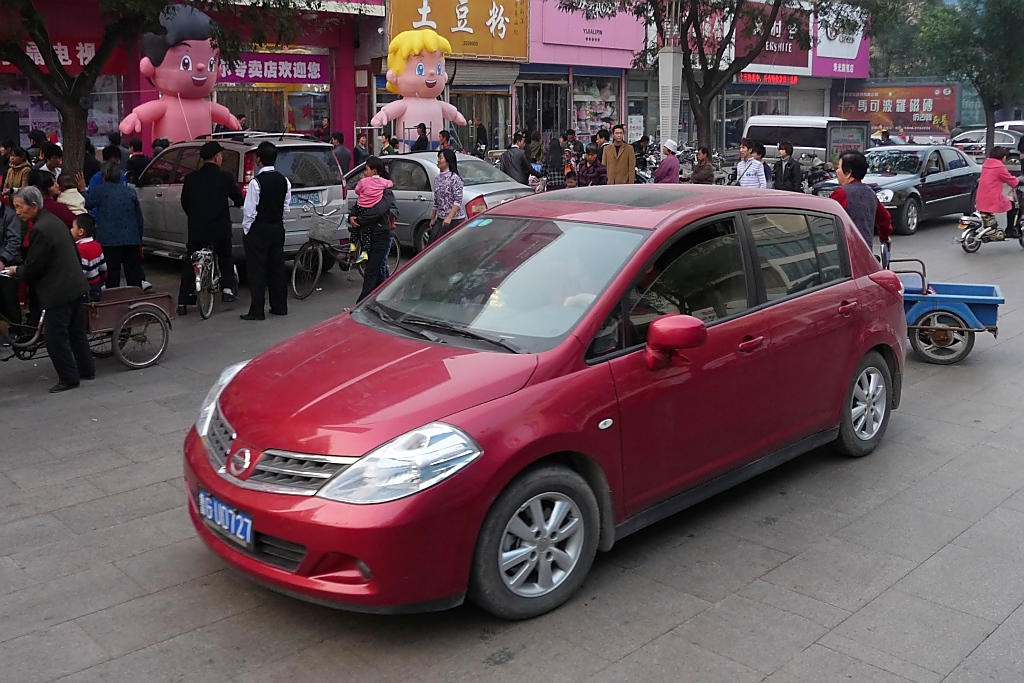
(847,308)
(750,344)
(159,194)
(421,198)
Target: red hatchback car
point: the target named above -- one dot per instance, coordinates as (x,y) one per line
(558,373)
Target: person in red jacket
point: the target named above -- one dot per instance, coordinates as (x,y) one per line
(860,201)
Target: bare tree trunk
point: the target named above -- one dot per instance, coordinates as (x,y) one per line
(990,123)
(74,120)
(701,108)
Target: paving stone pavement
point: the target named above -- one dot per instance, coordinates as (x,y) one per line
(903,566)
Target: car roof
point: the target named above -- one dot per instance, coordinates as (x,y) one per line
(773,120)
(905,148)
(431,156)
(254,138)
(649,206)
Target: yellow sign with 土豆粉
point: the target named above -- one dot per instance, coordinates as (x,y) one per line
(481,29)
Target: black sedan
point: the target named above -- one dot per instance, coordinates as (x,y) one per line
(917,182)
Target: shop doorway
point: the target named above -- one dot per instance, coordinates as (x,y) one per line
(543,107)
(494,110)
(263,109)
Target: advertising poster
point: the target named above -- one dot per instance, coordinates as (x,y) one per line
(913,108)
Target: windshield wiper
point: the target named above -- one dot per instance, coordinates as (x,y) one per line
(380,313)
(461,331)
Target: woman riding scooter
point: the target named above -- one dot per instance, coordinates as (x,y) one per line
(990,199)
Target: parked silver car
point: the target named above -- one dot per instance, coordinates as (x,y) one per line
(414,176)
(310,166)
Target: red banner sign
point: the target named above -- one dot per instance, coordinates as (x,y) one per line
(73,54)
(782,47)
(770,79)
(915,109)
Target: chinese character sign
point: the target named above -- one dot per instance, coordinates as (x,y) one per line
(264,67)
(491,29)
(416,71)
(782,48)
(183,65)
(915,109)
(72,53)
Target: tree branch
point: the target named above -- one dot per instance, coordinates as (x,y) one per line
(35,26)
(13,52)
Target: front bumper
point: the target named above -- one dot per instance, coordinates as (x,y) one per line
(409,555)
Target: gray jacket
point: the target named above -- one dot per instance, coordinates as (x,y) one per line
(10,236)
(516,165)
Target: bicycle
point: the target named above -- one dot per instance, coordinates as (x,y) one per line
(308,265)
(204,263)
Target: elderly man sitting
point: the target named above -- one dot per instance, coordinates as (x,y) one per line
(53,269)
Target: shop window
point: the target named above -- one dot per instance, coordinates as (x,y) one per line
(595,102)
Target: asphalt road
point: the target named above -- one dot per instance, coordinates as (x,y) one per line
(905,565)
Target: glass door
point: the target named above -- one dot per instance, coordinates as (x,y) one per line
(543,107)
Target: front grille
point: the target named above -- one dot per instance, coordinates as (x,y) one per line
(278,552)
(297,473)
(219,438)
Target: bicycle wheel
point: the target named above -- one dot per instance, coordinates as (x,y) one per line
(306,269)
(204,295)
(394,257)
(141,337)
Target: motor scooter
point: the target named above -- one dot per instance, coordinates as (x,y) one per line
(980,228)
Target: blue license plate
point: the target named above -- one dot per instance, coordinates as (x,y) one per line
(304,198)
(226,520)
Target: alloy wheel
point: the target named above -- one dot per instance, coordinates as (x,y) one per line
(541,545)
(869,405)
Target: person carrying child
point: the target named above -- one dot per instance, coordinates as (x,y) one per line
(370,190)
(94,265)
(69,195)
(375,223)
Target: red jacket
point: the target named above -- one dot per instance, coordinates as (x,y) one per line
(990,187)
(883,221)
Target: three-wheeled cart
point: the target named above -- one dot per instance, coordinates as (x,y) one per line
(944,317)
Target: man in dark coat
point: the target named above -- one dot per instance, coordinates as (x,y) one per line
(266,202)
(206,196)
(10,255)
(341,152)
(514,162)
(137,161)
(53,268)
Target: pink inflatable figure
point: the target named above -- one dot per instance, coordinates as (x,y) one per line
(183,65)
(416,72)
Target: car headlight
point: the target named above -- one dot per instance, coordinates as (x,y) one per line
(206,409)
(403,466)
(884,196)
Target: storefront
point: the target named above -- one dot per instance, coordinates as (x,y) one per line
(555,92)
(286,90)
(489,43)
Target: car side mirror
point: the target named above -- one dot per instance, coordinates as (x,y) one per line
(932,170)
(670,334)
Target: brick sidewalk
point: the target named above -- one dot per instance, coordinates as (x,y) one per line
(905,565)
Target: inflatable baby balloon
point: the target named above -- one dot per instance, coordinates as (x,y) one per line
(416,72)
(183,65)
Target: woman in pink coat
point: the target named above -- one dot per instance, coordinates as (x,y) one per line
(990,187)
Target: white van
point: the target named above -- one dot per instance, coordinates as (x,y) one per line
(1017,126)
(807,133)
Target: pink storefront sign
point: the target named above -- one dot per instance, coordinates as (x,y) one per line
(264,67)
(840,56)
(558,37)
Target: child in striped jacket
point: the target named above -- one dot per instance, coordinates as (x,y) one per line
(94,265)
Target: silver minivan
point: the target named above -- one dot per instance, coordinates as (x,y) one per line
(310,165)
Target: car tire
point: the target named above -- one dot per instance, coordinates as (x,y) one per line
(870,390)
(545,566)
(909,217)
(972,202)
(420,236)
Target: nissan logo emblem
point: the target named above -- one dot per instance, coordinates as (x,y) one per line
(239,462)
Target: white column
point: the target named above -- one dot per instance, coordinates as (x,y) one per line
(670,85)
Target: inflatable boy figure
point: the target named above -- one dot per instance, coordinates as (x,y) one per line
(183,65)
(416,72)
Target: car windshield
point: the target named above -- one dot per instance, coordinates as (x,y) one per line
(308,167)
(891,162)
(525,281)
(477,172)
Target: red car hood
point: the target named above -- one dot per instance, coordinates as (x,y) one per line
(343,389)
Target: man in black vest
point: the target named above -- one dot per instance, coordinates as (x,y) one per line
(266,202)
(206,197)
